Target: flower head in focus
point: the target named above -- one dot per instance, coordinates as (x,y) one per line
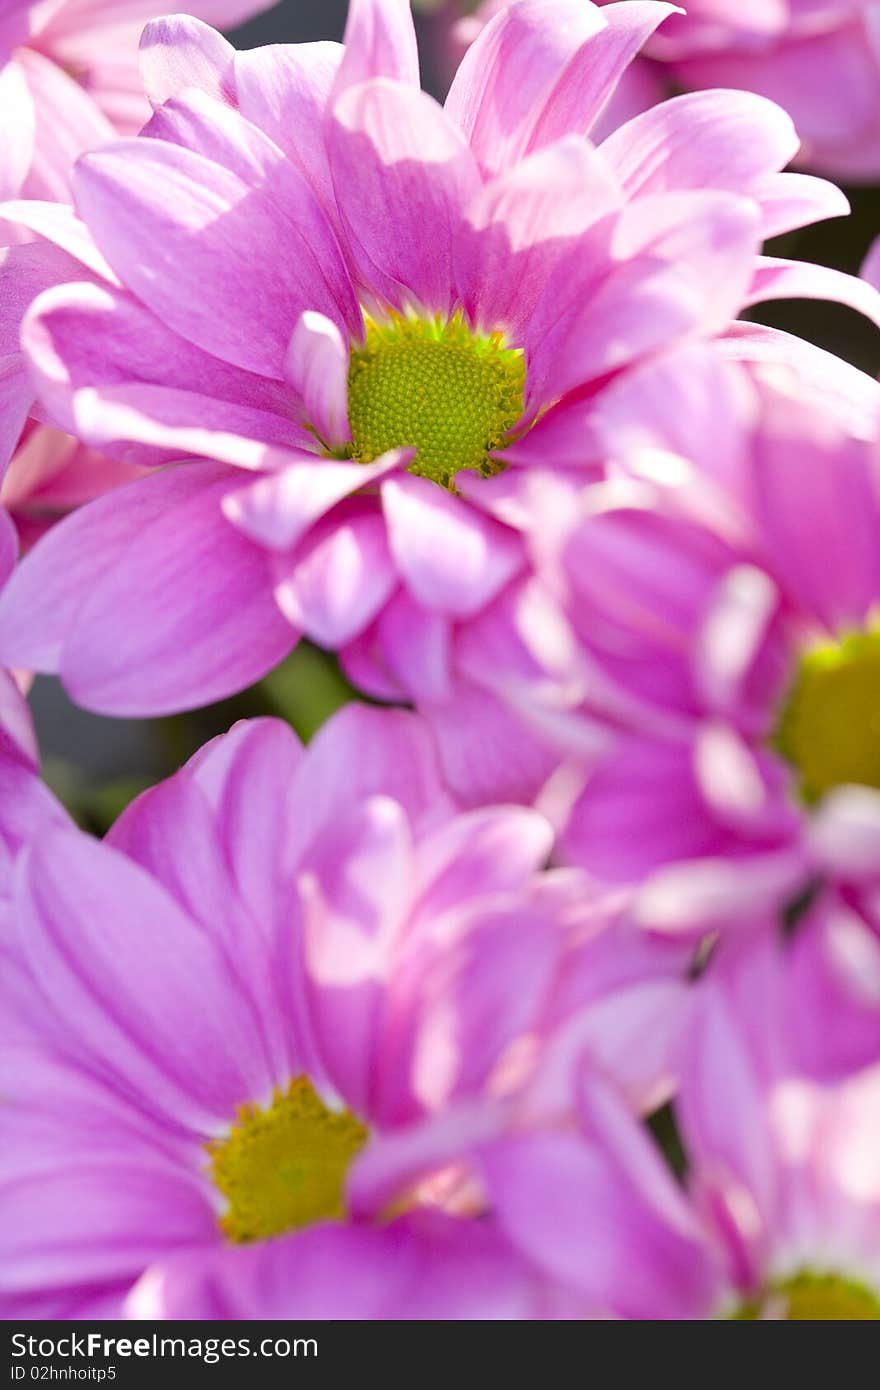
(376,316)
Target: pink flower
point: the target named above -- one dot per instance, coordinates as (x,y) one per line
(780,1214)
(717,657)
(69,79)
(292,994)
(342,323)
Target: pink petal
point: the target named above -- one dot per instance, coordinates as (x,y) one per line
(17,106)
(278,510)
(451,557)
(58,224)
(142,194)
(519,225)
(317,368)
(86,342)
(183,612)
(178,52)
(780,279)
(68,122)
(724,140)
(379,41)
(676,264)
(339,577)
(284,89)
(399,163)
(507,71)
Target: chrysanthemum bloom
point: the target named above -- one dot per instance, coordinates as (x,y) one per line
(252,1043)
(390,312)
(779,1217)
(718,642)
(69,79)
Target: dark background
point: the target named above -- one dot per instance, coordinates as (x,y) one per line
(97,764)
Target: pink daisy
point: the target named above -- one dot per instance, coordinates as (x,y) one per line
(375,330)
(252,1043)
(707,652)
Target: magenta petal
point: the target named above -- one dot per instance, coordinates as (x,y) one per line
(143,990)
(780,279)
(225,243)
(130,644)
(278,510)
(403,176)
(379,41)
(724,140)
(572,1210)
(284,89)
(177,52)
(355,885)
(425,1267)
(386,753)
(452,557)
(339,577)
(317,368)
(520,224)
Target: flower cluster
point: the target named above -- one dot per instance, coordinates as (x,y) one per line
(419,1020)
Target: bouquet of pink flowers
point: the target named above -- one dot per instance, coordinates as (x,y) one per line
(544,981)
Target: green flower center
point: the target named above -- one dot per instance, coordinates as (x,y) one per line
(815,1298)
(829,728)
(284,1167)
(433,385)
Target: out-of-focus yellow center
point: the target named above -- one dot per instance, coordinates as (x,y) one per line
(816,1298)
(433,385)
(830,725)
(285,1166)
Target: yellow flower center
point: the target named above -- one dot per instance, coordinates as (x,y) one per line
(816,1298)
(830,725)
(433,385)
(284,1167)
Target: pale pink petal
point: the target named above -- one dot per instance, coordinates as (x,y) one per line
(177,52)
(339,577)
(284,89)
(519,225)
(450,556)
(403,176)
(18,111)
(278,510)
(316,366)
(379,41)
